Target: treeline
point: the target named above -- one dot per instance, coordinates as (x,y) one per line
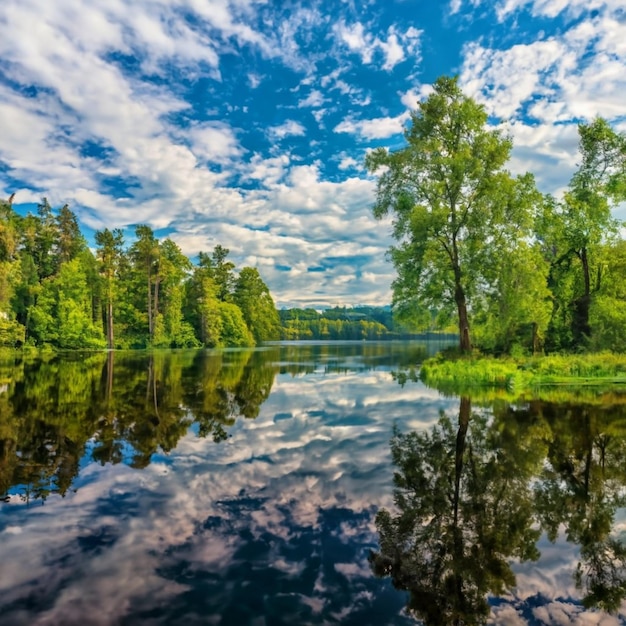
(343,323)
(54,291)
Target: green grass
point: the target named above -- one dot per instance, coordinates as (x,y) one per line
(517,375)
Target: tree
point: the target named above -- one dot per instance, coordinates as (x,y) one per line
(607,315)
(234,333)
(253,297)
(109,253)
(450,195)
(222,273)
(576,229)
(173,267)
(70,241)
(144,253)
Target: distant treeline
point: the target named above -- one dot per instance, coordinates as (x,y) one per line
(54,291)
(360,322)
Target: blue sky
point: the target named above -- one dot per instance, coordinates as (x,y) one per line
(246,122)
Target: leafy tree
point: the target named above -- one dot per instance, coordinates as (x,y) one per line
(607,314)
(234,331)
(253,297)
(450,196)
(173,268)
(223,273)
(517,308)
(144,254)
(70,241)
(576,229)
(45,237)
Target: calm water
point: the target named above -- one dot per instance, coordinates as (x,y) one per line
(243,488)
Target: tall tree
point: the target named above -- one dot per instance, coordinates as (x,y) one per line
(45,236)
(449,193)
(144,253)
(110,250)
(223,273)
(70,240)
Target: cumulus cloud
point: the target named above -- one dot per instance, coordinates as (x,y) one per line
(378,128)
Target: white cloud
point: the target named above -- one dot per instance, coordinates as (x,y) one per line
(289,128)
(394,48)
(379,128)
(214,142)
(348,162)
(314,99)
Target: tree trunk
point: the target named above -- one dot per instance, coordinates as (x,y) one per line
(465,344)
(110,339)
(150,323)
(581,329)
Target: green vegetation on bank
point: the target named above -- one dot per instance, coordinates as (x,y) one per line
(55,292)
(343,323)
(522,375)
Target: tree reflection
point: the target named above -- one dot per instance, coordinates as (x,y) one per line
(461,516)
(116,408)
(581,487)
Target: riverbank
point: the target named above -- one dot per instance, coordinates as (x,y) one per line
(601,369)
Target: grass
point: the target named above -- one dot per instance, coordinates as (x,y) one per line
(524,374)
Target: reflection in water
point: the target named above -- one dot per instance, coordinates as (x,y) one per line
(471,498)
(242,487)
(461,517)
(581,487)
(117,408)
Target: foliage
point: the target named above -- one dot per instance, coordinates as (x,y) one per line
(55,293)
(524,375)
(454,205)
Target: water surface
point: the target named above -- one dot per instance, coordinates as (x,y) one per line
(242,488)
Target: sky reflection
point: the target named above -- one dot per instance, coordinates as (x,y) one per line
(271,526)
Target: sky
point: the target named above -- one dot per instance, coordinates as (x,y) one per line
(245,123)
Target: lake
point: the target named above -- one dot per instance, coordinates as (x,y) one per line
(243,487)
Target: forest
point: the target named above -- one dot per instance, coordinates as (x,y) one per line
(55,292)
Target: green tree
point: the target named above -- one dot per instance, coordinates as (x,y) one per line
(516,309)
(110,251)
(235,332)
(449,194)
(173,268)
(253,297)
(144,254)
(607,315)
(70,241)
(576,229)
